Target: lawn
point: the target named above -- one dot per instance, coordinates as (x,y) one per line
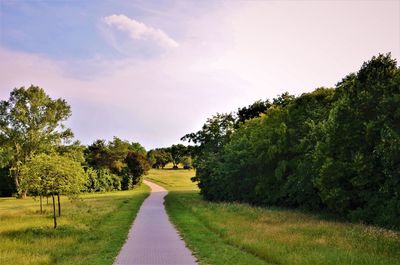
(92,229)
(233,233)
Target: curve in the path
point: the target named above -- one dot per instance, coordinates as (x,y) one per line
(152,238)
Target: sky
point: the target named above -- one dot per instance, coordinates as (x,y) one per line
(152,71)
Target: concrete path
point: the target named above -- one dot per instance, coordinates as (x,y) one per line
(152,238)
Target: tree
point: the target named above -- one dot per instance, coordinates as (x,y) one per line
(53,174)
(252,111)
(7,186)
(97,155)
(74,151)
(187,162)
(359,150)
(137,165)
(177,151)
(161,157)
(30,124)
(208,144)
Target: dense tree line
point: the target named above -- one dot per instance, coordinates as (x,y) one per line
(334,149)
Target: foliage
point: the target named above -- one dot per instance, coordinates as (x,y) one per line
(52,174)
(30,124)
(334,150)
(159,158)
(137,165)
(252,111)
(187,162)
(109,162)
(44,174)
(177,151)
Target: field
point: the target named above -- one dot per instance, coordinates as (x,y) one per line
(231,233)
(91,230)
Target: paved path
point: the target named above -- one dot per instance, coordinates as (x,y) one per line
(152,238)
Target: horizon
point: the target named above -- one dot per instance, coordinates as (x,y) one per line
(126,67)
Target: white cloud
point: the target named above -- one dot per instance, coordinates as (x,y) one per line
(140,31)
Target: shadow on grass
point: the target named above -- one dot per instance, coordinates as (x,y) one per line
(38,233)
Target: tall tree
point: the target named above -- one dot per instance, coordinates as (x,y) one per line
(31,123)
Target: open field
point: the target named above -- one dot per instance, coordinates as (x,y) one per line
(231,233)
(91,229)
(173,180)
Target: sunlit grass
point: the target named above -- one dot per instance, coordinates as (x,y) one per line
(233,233)
(91,230)
(174,180)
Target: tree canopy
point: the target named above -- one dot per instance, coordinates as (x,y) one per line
(31,123)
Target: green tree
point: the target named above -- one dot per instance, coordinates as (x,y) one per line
(187,162)
(137,165)
(177,151)
(161,156)
(30,124)
(55,175)
(358,152)
(252,111)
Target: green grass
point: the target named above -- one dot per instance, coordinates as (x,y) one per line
(91,230)
(173,180)
(232,233)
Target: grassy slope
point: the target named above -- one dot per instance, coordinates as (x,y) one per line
(231,233)
(91,231)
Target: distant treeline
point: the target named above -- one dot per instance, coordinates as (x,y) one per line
(335,149)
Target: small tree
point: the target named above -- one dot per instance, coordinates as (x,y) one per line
(55,175)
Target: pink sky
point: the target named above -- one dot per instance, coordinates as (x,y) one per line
(199,60)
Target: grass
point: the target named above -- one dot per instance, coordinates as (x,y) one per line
(173,180)
(233,233)
(91,230)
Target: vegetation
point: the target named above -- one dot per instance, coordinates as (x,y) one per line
(176,154)
(91,230)
(234,233)
(30,124)
(331,150)
(36,151)
(54,175)
(109,163)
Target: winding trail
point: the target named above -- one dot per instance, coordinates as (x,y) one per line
(152,238)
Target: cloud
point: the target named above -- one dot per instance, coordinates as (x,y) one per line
(226,59)
(140,31)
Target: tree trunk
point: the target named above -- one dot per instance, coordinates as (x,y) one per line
(41,204)
(54,212)
(23,194)
(59,204)
(16,181)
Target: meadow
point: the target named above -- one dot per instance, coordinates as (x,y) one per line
(91,230)
(234,233)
